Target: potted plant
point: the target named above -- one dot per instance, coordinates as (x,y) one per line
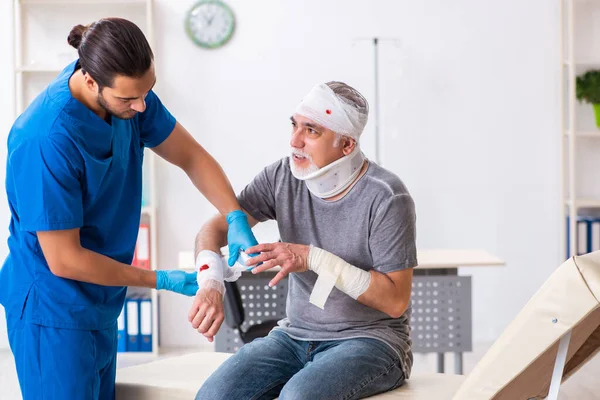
(588,90)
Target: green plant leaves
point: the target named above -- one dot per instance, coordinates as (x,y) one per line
(588,87)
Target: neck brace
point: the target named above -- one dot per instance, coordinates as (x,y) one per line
(334,178)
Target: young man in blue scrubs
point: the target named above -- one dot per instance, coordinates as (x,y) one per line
(74,184)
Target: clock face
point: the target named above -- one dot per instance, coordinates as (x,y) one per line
(210,23)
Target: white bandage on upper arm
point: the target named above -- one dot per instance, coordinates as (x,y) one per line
(334,271)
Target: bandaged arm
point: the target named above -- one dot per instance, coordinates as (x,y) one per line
(389,293)
(213,270)
(333,270)
(209,240)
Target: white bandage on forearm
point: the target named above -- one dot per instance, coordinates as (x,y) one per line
(210,271)
(213,270)
(333,271)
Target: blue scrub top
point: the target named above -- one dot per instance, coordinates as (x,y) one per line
(67,168)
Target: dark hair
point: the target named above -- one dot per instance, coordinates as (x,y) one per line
(110,47)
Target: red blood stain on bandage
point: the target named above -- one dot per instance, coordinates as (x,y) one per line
(204,267)
(328,111)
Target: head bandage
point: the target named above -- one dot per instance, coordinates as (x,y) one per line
(329,110)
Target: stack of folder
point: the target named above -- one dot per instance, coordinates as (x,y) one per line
(135,325)
(587,235)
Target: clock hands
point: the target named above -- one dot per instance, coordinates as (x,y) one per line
(208,16)
(210,24)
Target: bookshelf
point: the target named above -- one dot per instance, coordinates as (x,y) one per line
(41,52)
(580,141)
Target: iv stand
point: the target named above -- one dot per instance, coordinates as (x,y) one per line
(375,40)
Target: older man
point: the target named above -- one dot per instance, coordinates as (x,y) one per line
(347,228)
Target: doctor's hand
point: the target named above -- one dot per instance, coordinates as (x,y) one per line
(206,314)
(177,281)
(239,235)
(290,257)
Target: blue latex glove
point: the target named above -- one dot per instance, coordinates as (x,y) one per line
(239,235)
(177,281)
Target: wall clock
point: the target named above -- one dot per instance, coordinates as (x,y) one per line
(210,23)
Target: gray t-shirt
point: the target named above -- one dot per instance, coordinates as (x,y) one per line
(371,227)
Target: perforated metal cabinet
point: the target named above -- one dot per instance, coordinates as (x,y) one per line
(261,303)
(441,314)
(440,322)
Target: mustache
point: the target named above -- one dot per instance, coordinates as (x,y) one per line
(300,153)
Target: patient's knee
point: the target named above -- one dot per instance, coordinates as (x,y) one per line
(299,390)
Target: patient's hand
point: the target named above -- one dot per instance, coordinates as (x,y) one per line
(289,256)
(206,314)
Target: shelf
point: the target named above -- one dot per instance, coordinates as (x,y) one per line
(148,210)
(584,203)
(80,2)
(584,134)
(583,63)
(42,70)
(30,67)
(579,194)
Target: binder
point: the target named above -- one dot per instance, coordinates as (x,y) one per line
(595,235)
(145,324)
(583,233)
(122,330)
(132,323)
(141,256)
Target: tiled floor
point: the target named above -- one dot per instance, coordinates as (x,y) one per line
(582,386)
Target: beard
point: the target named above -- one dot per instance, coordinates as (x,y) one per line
(302,172)
(121,115)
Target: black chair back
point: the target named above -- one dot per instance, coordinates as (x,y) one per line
(234,308)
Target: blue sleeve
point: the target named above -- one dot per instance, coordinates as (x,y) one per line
(45,176)
(156,122)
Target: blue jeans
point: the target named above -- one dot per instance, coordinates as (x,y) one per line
(278,365)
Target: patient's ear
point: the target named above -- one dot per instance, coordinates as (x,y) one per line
(348,145)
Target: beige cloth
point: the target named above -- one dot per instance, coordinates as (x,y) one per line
(519,364)
(180,378)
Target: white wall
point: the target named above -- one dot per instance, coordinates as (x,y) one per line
(470,112)
(6,119)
